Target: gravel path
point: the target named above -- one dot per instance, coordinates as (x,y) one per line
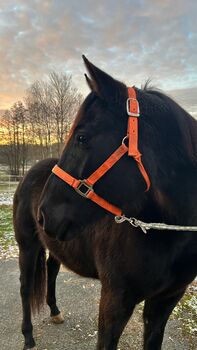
(78,298)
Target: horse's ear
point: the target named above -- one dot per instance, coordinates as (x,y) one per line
(102,83)
(90,82)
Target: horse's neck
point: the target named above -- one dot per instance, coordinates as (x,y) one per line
(179,202)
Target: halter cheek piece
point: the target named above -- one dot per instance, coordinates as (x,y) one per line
(85,187)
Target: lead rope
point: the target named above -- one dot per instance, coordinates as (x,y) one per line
(157,226)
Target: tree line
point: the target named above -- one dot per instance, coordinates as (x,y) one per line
(37,127)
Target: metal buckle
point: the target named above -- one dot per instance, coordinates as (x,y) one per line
(124,139)
(131,114)
(83,185)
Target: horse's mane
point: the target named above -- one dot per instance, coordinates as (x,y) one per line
(169,117)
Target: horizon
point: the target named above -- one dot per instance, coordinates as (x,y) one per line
(155,40)
(180,96)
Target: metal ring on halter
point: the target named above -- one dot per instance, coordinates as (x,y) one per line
(119,219)
(124,139)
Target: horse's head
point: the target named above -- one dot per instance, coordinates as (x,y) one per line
(98,130)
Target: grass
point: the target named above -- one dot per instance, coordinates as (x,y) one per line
(6,227)
(186,311)
(8,187)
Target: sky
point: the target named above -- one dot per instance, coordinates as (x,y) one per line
(133,40)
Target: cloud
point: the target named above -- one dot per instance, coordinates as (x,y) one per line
(132,40)
(186,98)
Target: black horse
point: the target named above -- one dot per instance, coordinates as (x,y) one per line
(131,266)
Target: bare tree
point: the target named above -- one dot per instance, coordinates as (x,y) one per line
(52,106)
(39,106)
(15,137)
(66,101)
(40,127)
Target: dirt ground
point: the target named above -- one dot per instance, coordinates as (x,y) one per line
(78,299)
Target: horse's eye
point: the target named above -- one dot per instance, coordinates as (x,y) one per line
(82,139)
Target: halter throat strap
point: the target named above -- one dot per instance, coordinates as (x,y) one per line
(85,187)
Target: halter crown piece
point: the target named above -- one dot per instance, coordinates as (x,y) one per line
(85,187)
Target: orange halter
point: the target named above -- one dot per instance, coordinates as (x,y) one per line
(85,187)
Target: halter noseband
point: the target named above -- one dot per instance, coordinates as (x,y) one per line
(85,187)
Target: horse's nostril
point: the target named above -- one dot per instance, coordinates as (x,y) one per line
(40,218)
